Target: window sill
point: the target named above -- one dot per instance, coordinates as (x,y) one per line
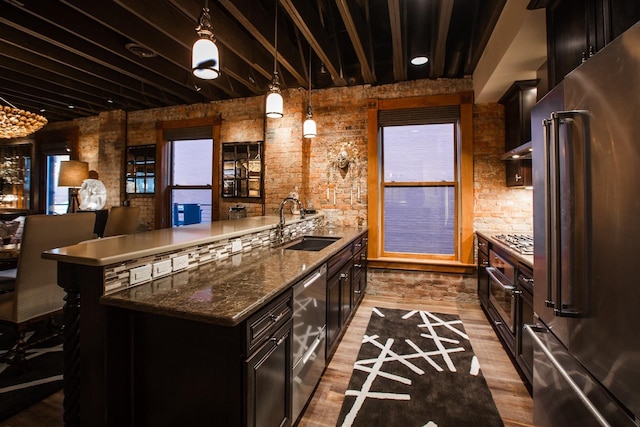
(437,266)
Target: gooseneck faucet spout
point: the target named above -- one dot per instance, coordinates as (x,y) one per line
(281,225)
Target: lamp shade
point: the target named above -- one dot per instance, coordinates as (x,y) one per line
(309,129)
(205,60)
(275,105)
(72,173)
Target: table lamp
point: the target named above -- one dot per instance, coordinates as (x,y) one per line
(72,173)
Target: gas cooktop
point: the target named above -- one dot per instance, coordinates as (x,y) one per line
(521,243)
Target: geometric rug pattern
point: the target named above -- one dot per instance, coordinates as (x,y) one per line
(417,368)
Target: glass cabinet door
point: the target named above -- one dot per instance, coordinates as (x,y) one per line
(15,177)
(242,169)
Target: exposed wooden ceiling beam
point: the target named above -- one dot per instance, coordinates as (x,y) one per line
(358,31)
(309,24)
(251,15)
(399,63)
(485,22)
(440,51)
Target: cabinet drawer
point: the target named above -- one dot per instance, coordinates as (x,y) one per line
(263,324)
(338,261)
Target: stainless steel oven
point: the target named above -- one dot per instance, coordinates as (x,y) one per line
(502,292)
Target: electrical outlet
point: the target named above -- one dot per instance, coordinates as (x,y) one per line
(180,262)
(236,245)
(161,268)
(140,274)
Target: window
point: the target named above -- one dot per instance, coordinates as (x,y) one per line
(419,189)
(421,183)
(186,169)
(191,174)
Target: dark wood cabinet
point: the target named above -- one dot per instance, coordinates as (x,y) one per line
(346,284)
(269,382)
(576,29)
(518,101)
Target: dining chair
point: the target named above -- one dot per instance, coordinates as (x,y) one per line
(122,220)
(36,295)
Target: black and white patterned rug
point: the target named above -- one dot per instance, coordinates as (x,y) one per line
(41,375)
(417,368)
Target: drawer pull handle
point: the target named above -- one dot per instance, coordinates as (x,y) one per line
(344,275)
(276,319)
(357,265)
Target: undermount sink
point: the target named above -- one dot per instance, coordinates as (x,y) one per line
(312,243)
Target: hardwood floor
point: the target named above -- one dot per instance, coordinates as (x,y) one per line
(512,399)
(509,393)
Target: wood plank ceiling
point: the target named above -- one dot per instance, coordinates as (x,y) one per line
(77,58)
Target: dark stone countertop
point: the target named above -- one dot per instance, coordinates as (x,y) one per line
(227,292)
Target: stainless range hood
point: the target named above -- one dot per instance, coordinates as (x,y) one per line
(520,152)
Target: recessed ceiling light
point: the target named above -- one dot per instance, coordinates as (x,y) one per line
(419,60)
(71,106)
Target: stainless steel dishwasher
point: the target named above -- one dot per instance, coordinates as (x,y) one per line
(309,332)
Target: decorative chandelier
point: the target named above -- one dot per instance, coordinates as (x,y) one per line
(205,59)
(17,123)
(275,104)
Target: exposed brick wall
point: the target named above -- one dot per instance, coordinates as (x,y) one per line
(418,284)
(497,207)
(291,160)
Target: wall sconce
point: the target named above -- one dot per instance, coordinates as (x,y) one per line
(72,174)
(205,59)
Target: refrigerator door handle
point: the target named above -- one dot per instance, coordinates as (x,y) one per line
(569,227)
(534,333)
(549,218)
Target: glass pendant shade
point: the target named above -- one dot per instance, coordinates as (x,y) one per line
(275,105)
(205,60)
(309,129)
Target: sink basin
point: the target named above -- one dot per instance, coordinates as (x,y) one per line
(312,243)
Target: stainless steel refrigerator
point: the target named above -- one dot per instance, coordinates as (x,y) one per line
(586,175)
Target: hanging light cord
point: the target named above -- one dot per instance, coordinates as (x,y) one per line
(309,106)
(275,32)
(8,103)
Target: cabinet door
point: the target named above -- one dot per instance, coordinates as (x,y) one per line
(333,312)
(359,276)
(620,15)
(519,173)
(269,382)
(345,293)
(570,32)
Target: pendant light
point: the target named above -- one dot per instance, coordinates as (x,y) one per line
(275,105)
(309,129)
(205,60)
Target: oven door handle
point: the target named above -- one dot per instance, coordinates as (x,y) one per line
(493,273)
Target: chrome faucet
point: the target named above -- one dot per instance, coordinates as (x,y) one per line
(281,225)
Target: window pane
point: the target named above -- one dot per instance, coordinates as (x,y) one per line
(419,220)
(419,153)
(192,162)
(190,206)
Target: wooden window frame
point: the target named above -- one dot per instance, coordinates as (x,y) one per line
(463,261)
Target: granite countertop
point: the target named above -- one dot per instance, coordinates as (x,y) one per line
(490,235)
(227,292)
(113,250)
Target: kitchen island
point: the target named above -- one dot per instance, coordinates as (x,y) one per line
(176,349)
